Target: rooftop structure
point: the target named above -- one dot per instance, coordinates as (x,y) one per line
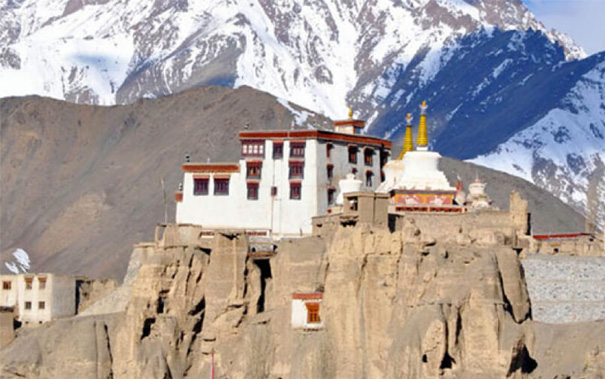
(283,179)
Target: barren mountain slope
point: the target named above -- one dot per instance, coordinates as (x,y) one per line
(80,184)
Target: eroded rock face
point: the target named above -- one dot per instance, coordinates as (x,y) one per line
(394,305)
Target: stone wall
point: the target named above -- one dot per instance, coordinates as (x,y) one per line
(565,289)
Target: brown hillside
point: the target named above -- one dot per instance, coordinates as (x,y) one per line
(81,184)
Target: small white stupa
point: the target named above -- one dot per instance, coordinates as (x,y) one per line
(477,198)
(348,185)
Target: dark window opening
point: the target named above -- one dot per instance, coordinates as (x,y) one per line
(28,305)
(352,154)
(278,150)
(6,285)
(313,313)
(296,170)
(329,148)
(253,149)
(41,283)
(28,283)
(297,149)
(369,179)
(354,171)
(295,191)
(41,305)
(200,186)
(265,274)
(331,192)
(273,191)
(221,186)
(368,157)
(330,171)
(253,170)
(252,191)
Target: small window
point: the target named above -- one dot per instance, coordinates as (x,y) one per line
(330,171)
(295,191)
(253,170)
(296,170)
(41,305)
(7,285)
(221,186)
(331,192)
(354,171)
(41,283)
(273,191)
(28,305)
(252,191)
(297,149)
(369,179)
(368,155)
(313,313)
(278,150)
(28,283)
(352,154)
(200,186)
(329,148)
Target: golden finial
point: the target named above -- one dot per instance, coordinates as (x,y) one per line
(408,141)
(423,139)
(350,113)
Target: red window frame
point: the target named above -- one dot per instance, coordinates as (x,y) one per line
(295,191)
(253,148)
(368,156)
(253,169)
(297,170)
(221,186)
(353,154)
(297,149)
(200,186)
(313,313)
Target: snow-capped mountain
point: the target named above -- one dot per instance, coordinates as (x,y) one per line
(488,68)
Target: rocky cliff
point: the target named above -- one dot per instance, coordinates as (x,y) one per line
(395,304)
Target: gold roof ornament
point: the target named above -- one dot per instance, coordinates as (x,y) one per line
(408,141)
(350,113)
(423,140)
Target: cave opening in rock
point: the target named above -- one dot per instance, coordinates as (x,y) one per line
(447,362)
(265,274)
(147,324)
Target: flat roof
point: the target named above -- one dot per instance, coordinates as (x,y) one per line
(315,134)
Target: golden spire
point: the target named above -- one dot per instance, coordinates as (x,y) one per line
(350,113)
(423,140)
(408,141)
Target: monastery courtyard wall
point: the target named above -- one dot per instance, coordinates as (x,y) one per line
(565,289)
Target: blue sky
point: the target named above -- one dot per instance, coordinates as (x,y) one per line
(583,20)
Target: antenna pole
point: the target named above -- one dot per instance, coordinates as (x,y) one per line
(165,204)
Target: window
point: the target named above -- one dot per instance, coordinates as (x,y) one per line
(369,179)
(368,155)
(200,186)
(329,148)
(7,285)
(331,192)
(253,148)
(352,154)
(330,170)
(252,191)
(41,283)
(278,150)
(28,305)
(354,171)
(28,283)
(295,192)
(253,170)
(273,191)
(41,305)
(221,186)
(297,149)
(296,170)
(313,313)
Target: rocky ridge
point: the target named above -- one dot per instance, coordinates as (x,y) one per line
(399,304)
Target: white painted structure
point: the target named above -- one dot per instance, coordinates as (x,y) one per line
(39,298)
(295,173)
(419,170)
(302,303)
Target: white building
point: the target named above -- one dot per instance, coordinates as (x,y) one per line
(283,179)
(39,298)
(306,312)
